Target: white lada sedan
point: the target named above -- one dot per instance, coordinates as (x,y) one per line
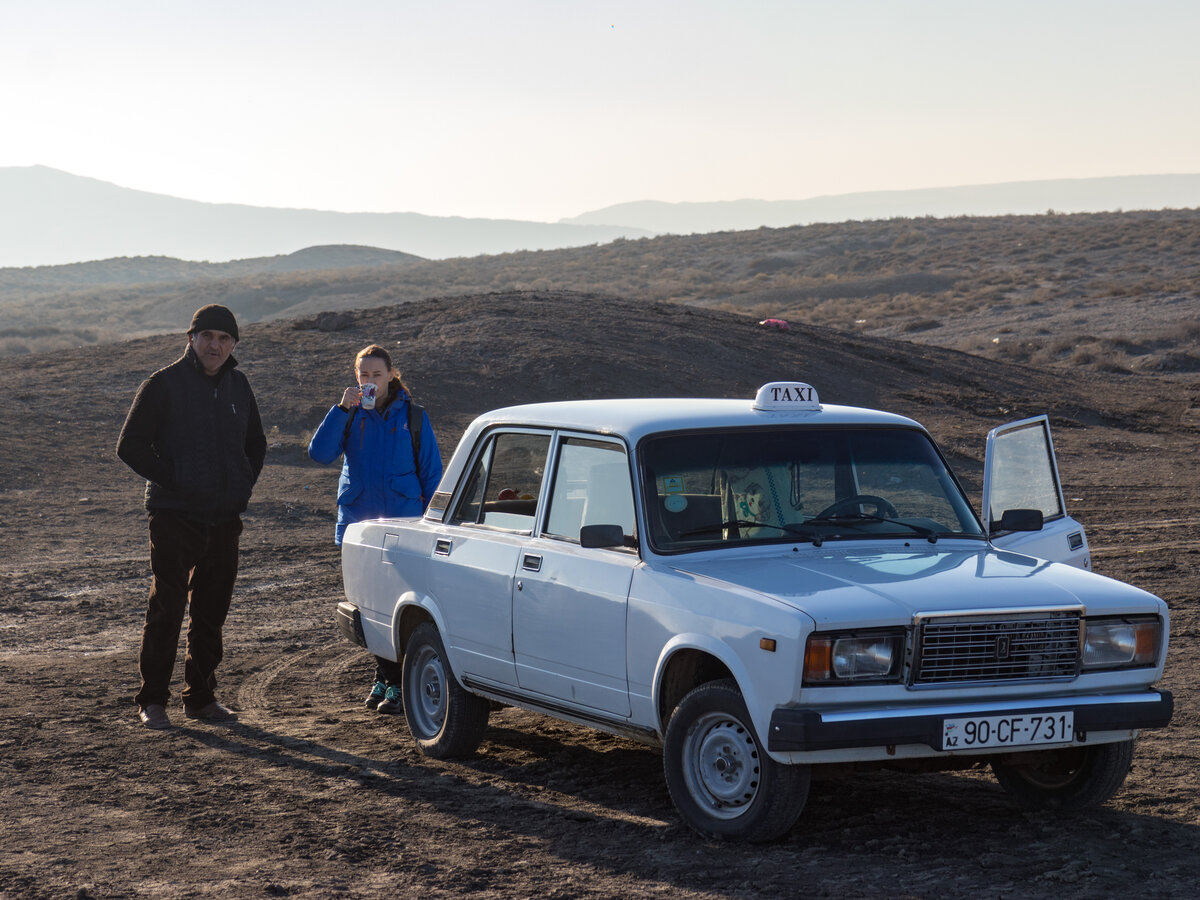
(760,587)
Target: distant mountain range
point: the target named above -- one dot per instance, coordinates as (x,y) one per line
(49,217)
(165,270)
(1129,192)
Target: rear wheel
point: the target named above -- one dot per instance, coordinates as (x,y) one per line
(1072,778)
(720,778)
(445,720)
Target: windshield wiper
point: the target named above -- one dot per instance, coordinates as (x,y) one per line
(928,533)
(792,528)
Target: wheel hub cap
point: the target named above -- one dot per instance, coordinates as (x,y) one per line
(723,765)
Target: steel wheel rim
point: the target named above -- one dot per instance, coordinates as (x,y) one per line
(429,703)
(721,765)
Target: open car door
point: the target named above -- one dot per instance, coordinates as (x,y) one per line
(1020,473)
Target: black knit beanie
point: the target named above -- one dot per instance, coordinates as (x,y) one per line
(214,317)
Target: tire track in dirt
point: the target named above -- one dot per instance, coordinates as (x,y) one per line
(313,674)
(257,690)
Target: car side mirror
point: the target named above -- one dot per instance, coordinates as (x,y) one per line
(1021,520)
(601,536)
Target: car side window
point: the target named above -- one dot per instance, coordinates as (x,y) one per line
(1024,472)
(591,487)
(505,483)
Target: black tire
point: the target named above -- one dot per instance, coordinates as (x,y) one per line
(1068,779)
(445,720)
(720,778)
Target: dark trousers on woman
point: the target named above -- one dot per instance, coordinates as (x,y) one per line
(194,567)
(387,671)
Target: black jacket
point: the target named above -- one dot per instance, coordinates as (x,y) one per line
(196,439)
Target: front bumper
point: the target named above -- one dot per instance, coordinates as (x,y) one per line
(810,729)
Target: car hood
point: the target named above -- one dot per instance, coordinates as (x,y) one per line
(864,586)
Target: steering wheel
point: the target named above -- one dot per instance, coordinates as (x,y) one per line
(848,504)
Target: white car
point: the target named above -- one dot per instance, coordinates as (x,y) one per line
(760,587)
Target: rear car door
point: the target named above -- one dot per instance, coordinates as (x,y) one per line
(476,555)
(1020,472)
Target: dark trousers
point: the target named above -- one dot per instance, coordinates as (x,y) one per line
(387,671)
(194,565)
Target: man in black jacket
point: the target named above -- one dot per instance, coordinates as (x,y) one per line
(194,433)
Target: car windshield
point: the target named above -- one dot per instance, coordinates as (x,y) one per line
(734,487)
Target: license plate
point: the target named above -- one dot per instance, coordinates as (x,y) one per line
(1024,730)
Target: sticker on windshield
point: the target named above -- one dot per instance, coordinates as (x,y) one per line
(672,484)
(675,503)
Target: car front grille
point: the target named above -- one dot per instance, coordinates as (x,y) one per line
(1021,647)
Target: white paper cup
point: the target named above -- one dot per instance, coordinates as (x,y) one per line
(368,395)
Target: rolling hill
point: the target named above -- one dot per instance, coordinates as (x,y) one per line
(1115,292)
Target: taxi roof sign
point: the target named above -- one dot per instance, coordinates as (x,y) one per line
(787,396)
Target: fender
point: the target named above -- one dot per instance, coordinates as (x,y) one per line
(727,657)
(426,603)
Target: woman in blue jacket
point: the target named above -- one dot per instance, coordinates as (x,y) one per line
(386,473)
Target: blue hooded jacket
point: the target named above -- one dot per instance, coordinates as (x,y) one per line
(379,476)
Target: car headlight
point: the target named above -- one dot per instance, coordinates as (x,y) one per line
(1121,643)
(839,658)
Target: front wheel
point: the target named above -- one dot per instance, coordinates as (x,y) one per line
(720,778)
(445,720)
(1072,778)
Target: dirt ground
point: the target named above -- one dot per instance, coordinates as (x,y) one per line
(311,795)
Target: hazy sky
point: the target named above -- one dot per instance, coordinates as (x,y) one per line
(540,109)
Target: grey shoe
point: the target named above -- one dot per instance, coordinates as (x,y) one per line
(154,716)
(378,692)
(392,704)
(210,712)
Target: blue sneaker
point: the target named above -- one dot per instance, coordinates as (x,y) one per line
(378,692)
(392,703)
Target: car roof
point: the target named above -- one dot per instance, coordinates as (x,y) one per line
(635,418)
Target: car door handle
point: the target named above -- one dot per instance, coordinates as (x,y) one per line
(531,562)
(441,547)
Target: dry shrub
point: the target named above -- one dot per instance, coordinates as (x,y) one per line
(1121,346)
(1171,361)
(1114,367)
(1063,345)
(768,265)
(915,325)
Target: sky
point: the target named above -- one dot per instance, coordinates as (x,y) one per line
(545,109)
